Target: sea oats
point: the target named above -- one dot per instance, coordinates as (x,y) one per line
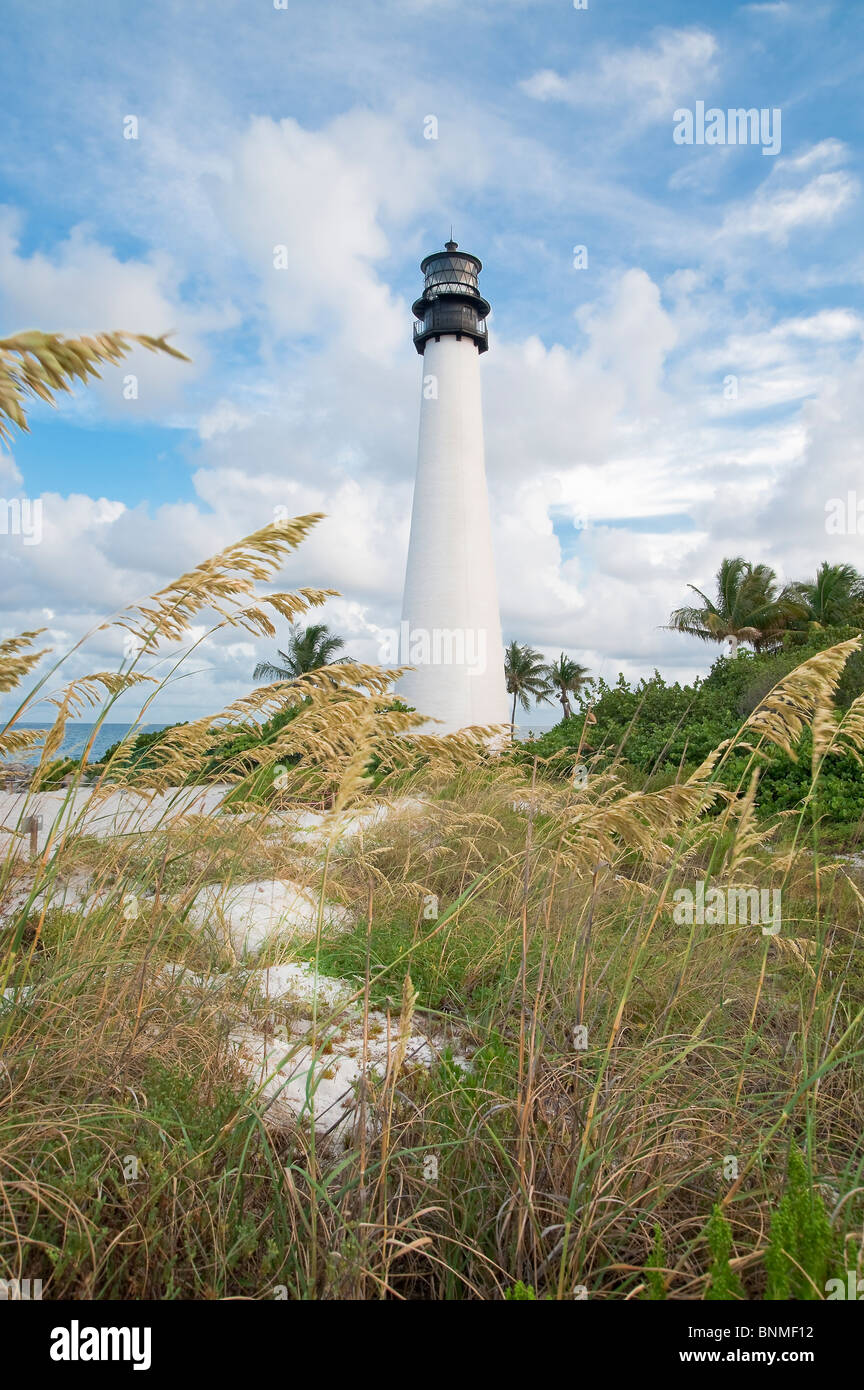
(15,662)
(847,732)
(787,709)
(14,741)
(40,364)
(225,583)
(750,834)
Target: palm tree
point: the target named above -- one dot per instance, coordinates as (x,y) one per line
(308,648)
(526,674)
(567,678)
(835,597)
(749,607)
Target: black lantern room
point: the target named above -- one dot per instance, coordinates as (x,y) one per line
(451,301)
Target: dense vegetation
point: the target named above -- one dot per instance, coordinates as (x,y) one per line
(662,731)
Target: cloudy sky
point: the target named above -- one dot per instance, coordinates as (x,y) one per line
(689,385)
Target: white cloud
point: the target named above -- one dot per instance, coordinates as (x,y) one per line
(826,154)
(305,192)
(631,336)
(774,9)
(82,287)
(654,77)
(782,204)
(775,213)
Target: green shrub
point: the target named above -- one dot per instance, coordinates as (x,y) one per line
(655,1284)
(521,1293)
(724,1283)
(803,1247)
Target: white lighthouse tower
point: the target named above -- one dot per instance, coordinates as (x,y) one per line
(451,627)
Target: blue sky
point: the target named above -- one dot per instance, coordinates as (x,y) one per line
(618,468)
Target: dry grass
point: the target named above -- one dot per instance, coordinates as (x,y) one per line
(561,1158)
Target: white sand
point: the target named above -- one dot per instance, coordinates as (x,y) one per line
(253,914)
(104,813)
(311,1071)
(101,813)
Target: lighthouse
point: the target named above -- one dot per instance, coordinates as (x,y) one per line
(451,626)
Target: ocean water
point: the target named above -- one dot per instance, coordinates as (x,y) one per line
(78,735)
